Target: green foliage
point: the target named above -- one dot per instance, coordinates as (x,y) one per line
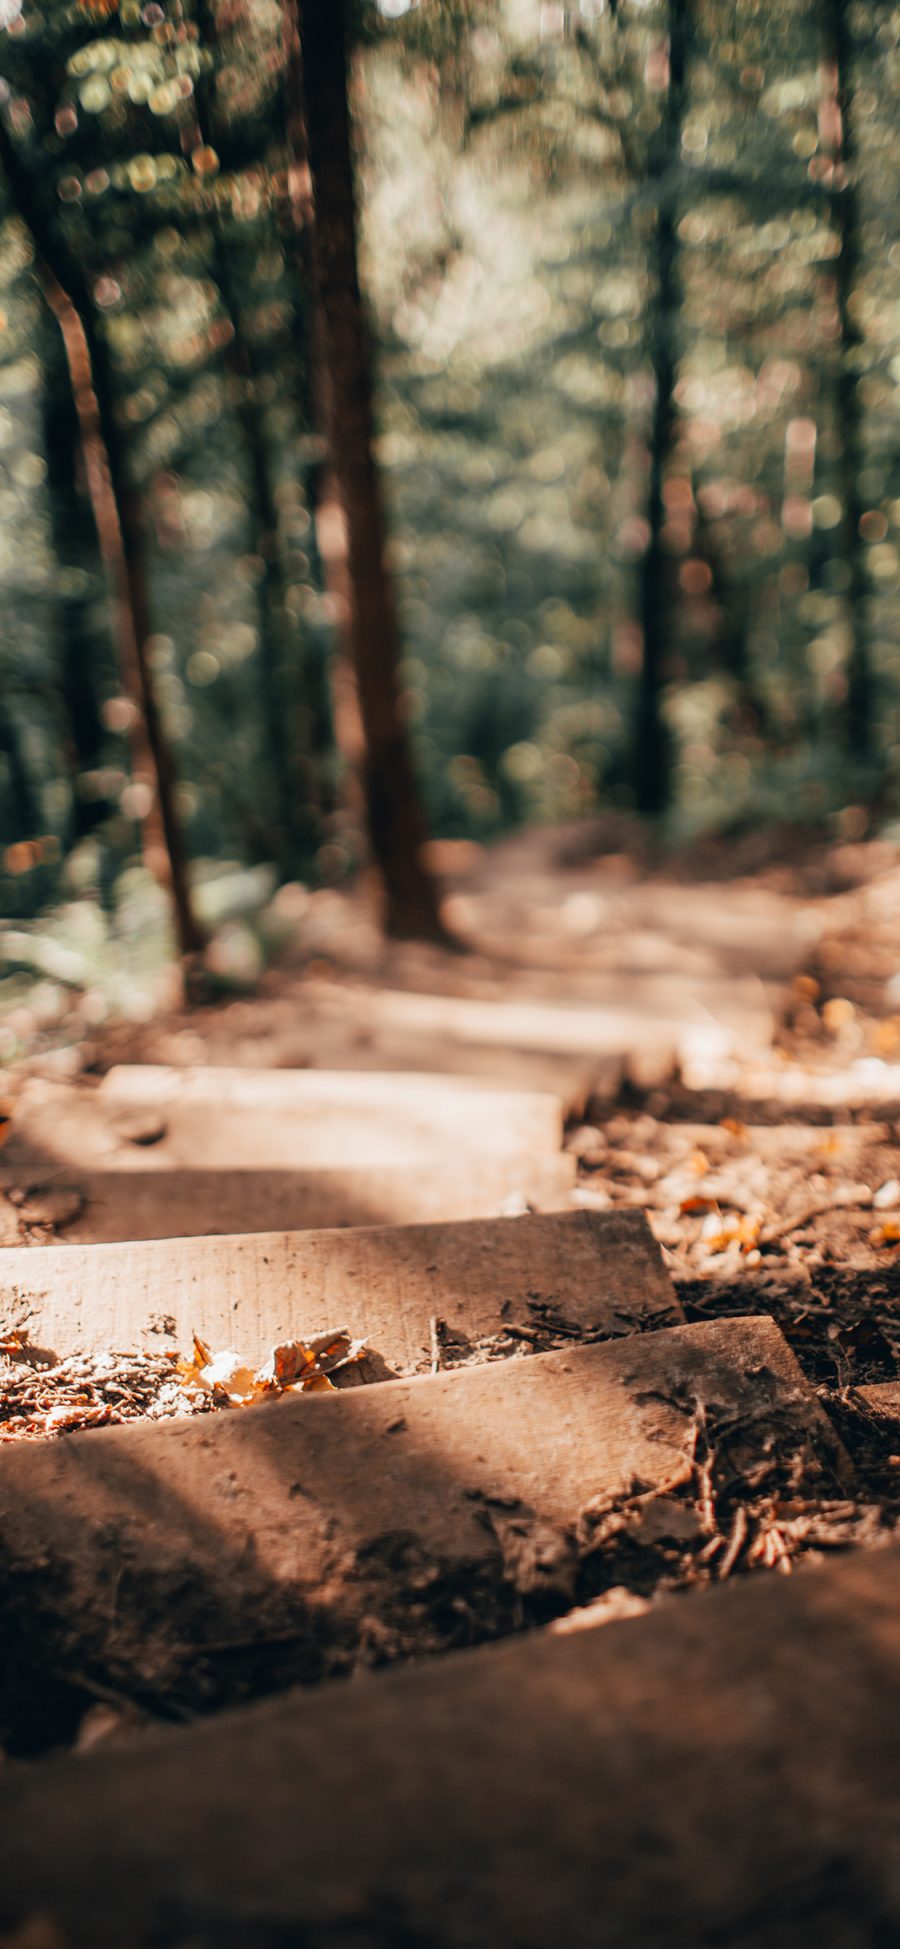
(514,164)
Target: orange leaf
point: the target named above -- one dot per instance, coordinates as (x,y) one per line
(887,1234)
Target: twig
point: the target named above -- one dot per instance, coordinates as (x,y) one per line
(802,1218)
(706,1502)
(436,1328)
(736,1542)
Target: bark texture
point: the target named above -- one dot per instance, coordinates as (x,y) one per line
(838,140)
(394,816)
(120,536)
(651,761)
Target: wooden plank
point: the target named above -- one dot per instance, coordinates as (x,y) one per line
(155,1202)
(340,1117)
(603,1271)
(145,1119)
(883,1397)
(296,1519)
(341,1040)
(607,1030)
(723,1770)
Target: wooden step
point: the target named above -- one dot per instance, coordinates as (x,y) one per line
(46,1201)
(602,1272)
(883,1399)
(339,1043)
(721,1771)
(528,1026)
(341,1117)
(628,1011)
(146,1118)
(162,1559)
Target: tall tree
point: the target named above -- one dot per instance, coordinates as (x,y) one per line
(74,538)
(394,815)
(838,139)
(295,832)
(119,532)
(650,751)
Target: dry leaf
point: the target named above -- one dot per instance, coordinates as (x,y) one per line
(742,1229)
(838,1014)
(887,1036)
(294,1367)
(14,1343)
(734,1128)
(699,1163)
(693,1207)
(887,1234)
(316,1384)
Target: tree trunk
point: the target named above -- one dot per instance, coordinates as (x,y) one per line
(120,537)
(74,538)
(297,832)
(26,814)
(838,140)
(394,815)
(651,761)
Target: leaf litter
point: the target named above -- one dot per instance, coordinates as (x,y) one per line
(43,1396)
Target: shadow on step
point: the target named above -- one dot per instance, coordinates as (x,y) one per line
(45,1201)
(176,1569)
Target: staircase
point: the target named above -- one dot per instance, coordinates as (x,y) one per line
(379,1665)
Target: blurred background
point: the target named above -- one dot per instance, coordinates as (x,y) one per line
(632,270)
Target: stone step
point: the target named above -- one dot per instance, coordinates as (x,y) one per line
(43,1201)
(145,1117)
(602,1272)
(167,1560)
(721,1771)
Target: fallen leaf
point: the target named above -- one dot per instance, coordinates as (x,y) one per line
(294,1367)
(743,1229)
(14,1342)
(887,1234)
(838,1014)
(887,1036)
(316,1384)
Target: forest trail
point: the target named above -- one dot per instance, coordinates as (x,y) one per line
(630,1344)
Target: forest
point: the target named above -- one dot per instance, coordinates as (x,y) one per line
(452,416)
(449,974)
